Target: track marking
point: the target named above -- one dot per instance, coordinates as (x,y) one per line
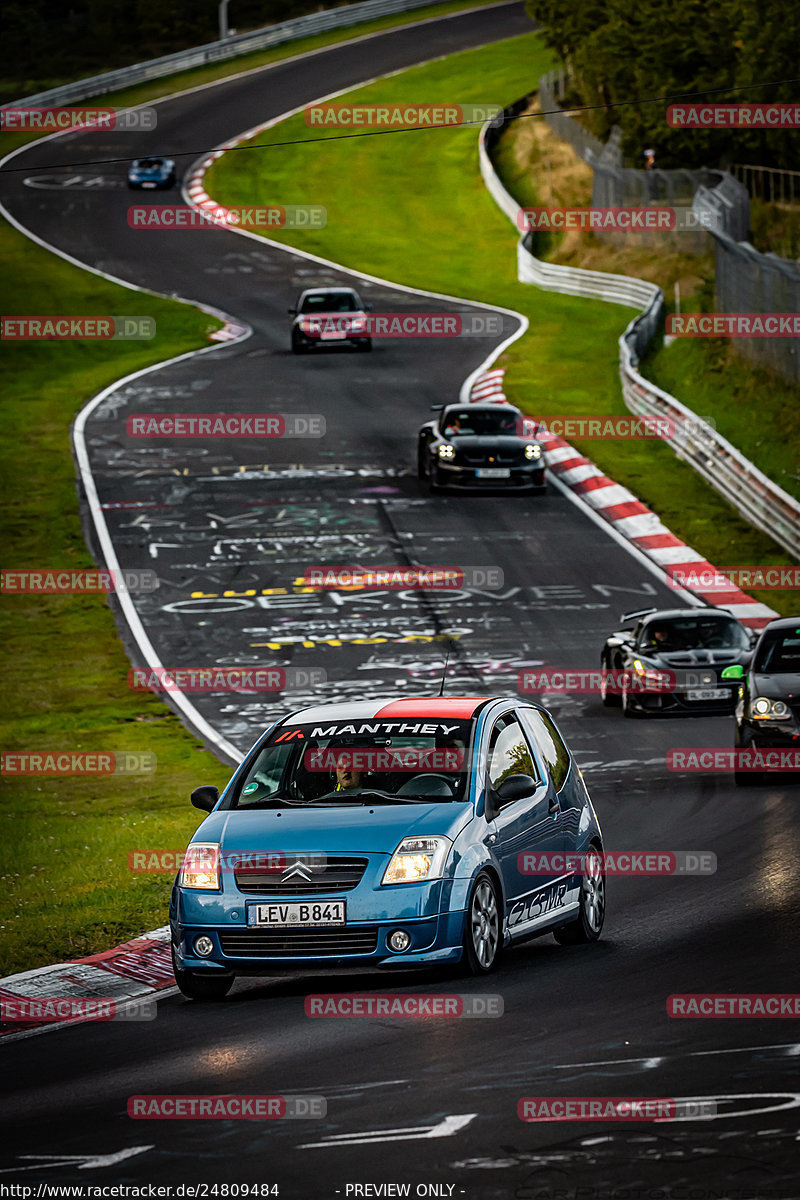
(83,1162)
(445,1128)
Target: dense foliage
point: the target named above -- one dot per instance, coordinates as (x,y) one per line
(636,50)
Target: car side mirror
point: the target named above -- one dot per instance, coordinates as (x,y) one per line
(292,311)
(367,308)
(515,787)
(437,407)
(734,672)
(205,797)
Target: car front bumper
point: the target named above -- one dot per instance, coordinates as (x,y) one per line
(436,936)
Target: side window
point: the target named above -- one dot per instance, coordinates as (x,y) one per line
(549,744)
(509,753)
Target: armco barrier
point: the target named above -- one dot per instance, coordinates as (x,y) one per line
(756,497)
(212,52)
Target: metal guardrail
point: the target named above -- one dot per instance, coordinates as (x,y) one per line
(212,52)
(773,184)
(757,498)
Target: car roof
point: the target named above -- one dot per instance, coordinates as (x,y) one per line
(487,406)
(349,291)
(460,708)
(673,613)
(782,623)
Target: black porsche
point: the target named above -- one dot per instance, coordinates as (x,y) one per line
(768,702)
(479,446)
(672,661)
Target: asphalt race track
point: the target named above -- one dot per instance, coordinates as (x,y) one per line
(408,1102)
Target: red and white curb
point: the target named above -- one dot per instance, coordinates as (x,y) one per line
(135,970)
(629,517)
(198,197)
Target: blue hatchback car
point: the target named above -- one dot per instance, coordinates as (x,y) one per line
(401,833)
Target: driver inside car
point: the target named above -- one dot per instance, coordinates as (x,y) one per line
(347,777)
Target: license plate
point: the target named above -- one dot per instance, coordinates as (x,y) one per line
(708,694)
(148,185)
(493,473)
(334,337)
(296,914)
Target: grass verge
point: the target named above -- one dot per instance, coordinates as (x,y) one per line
(424,218)
(64,842)
(703,373)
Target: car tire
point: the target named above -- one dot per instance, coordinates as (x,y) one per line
(608,699)
(365,346)
(628,709)
(588,924)
(483,933)
(421,472)
(297,346)
(434,485)
(201,987)
(745,778)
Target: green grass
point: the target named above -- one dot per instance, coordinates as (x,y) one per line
(64,842)
(420,215)
(705,374)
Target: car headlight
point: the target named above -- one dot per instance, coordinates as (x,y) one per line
(201,866)
(533,451)
(446,451)
(769,710)
(417,859)
(650,674)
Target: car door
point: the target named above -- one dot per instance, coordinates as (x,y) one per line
(525,829)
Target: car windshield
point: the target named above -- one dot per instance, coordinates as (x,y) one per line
(417,760)
(779,653)
(329,302)
(149,163)
(469,423)
(694,633)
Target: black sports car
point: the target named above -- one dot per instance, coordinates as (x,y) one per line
(768,703)
(675,660)
(480,445)
(151,172)
(330,316)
